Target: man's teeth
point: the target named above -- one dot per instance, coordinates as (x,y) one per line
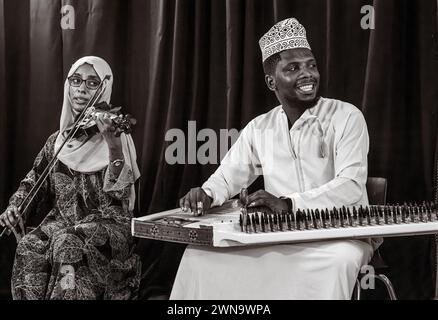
(306,88)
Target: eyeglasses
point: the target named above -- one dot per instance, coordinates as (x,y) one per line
(91,84)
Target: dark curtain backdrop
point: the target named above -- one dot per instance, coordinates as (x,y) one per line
(181,60)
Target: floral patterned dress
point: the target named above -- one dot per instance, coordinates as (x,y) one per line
(83,248)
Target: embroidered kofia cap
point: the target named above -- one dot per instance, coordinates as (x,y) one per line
(286,34)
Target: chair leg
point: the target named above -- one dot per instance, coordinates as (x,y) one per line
(357,290)
(388,284)
(436,252)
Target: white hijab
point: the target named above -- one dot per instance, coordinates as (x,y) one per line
(93,155)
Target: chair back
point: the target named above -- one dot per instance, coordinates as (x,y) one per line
(376,189)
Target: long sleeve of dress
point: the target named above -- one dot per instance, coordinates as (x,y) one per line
(118,186)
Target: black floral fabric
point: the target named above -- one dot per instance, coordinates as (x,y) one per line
(83,248)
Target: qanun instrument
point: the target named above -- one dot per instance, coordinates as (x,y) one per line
(232,225)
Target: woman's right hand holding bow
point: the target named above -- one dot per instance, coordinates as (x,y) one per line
(10,219)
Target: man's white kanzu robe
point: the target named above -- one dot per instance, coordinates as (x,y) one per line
(320,163)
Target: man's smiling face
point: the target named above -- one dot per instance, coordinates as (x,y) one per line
(296,76)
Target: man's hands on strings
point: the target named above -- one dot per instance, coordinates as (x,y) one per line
(263,198)
(12,220)
(198,202)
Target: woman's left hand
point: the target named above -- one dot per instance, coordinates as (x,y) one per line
(108,130)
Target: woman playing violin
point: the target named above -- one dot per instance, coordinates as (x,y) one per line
(83,247)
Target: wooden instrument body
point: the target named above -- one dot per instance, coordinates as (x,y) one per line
(221,228)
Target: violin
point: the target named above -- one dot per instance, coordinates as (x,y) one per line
(122,123)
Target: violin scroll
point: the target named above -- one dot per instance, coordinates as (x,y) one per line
(123,123)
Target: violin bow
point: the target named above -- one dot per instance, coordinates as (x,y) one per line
(34,190)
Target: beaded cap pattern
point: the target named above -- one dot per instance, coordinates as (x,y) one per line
(286,34)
